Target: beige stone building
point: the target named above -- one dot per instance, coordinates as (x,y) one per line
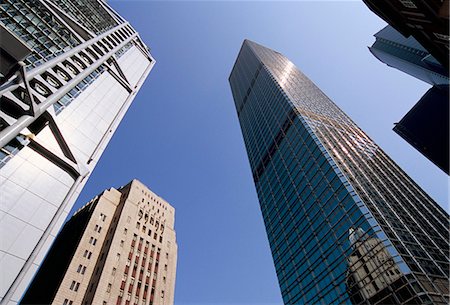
(120,248)
(372,271)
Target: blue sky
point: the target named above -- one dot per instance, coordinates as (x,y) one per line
(181,136)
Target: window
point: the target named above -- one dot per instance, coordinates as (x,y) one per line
(408,3)
(125,231)
(79,268)
(138,224)
(442,36)
(89,255)
(41,89)
(77,285)
(72,285)
(113,271)
(160,239)
(83,270)
(66,301)
(108,289)
(86,252)
(102,217)
(121,243)
(117,256)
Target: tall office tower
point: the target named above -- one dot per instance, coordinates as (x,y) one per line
(345,224)
(69,70)
(120,248)
(426,20)
(426,126)
(408,55)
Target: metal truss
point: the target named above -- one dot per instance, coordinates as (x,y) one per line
(26,107)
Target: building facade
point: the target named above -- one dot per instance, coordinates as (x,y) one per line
(69,70)
(426,20)
(326,191)
(408,55)
(426,126)
(120,248)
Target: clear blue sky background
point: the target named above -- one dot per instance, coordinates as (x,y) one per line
(181,136)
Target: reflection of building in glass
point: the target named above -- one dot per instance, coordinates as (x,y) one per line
(371,269)
(120,248)
(318,176)
(69,70)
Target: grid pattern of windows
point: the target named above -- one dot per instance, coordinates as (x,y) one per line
(33,23)
(140,273)
(344,222)
(81,11)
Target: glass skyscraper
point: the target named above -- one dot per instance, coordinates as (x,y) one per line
(426,126)
(407,54)
(345,224)
(69,70)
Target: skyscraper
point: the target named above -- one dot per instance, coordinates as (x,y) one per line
(426,126)
(120,248)
(69,70)
(409,56)
(425,20)
(345,224)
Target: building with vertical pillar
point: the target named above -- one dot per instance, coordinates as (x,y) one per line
(69,70)
(120,248)
(345,224)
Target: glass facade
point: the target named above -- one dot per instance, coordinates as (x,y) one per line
(69,70)
(345,224)
(44,33)
(407,54)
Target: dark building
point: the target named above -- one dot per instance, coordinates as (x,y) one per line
(426,20)
(345,224)
(426,126)
(408,55)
